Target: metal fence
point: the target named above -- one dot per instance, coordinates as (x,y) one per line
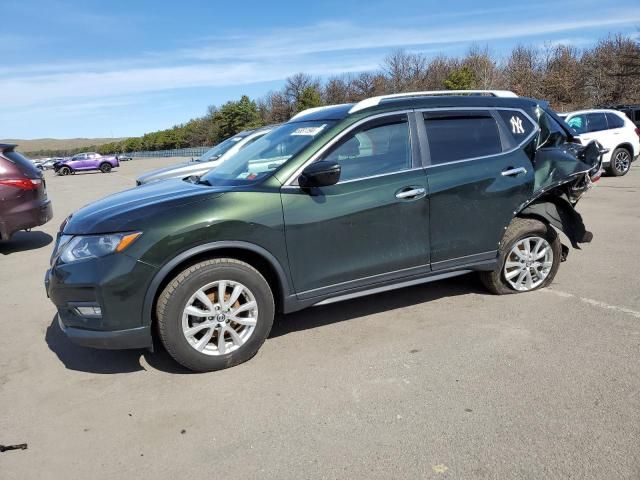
(177,152)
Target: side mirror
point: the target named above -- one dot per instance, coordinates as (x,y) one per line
(320,174)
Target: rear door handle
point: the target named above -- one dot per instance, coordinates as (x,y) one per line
(513,172)
(411,193)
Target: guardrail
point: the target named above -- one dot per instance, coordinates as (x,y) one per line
(177,152)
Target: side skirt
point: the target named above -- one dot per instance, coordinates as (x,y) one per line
(293,303)
(386,288)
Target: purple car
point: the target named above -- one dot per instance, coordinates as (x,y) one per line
(85,161)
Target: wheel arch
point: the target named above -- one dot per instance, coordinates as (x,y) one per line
(256,256)
(627,146)
(558,212)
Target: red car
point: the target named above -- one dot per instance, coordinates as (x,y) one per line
(23,193)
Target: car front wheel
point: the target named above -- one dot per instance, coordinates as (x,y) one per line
(528,259)
(215,314)
(64,171)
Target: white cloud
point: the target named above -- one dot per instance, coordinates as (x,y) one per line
(320,49)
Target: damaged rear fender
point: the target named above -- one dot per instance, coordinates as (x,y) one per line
(560,213)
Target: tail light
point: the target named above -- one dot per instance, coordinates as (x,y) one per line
(22,183)
(638,131)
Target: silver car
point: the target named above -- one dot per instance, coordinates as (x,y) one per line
(210,159)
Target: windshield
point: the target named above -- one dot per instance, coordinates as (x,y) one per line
(219,150)
(257,161)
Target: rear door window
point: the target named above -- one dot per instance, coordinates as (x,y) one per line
(596,122)
(614,120)
(456,136)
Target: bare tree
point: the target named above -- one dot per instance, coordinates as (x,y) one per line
(297,84)
(484,67)
(405,71)
(522,73)
(562,81)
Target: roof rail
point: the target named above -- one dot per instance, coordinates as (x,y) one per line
(373,101)
(314,109)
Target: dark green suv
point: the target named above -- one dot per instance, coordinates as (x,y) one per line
(339,202)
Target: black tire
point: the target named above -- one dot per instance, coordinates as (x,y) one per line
(519,229)
(620,163)
(176,294)
(105,167)
(64,171)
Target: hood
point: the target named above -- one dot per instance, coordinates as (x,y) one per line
(180,170)
(128,210)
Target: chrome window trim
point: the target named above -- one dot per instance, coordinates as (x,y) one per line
(527,139)
(334,140)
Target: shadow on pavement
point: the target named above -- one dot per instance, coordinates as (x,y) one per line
(92,360)
(97,361)
(23,241)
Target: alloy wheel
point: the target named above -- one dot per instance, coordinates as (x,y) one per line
(220,317)
(528,264)
(622,161)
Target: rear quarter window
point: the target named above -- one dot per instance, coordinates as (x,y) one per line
(614,120)
(517,123)
(23,162)
(457,136)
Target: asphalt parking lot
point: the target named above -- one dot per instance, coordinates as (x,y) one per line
(436,381)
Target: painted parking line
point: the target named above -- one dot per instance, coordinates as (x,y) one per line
(594,303)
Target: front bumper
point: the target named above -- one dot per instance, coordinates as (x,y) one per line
(139,337)
(115,285)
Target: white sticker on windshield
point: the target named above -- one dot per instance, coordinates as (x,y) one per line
(310,131)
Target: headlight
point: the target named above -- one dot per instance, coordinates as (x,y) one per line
(94,246)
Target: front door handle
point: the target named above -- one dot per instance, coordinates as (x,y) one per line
(513,172)
(411,193)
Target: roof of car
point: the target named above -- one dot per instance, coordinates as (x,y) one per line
(7,146)
(246,133)
(339,112)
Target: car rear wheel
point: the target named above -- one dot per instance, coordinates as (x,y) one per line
(64,171)
(528,258)
(620,162)
(215,314)
(105,167)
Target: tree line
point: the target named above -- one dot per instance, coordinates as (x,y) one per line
(568,77)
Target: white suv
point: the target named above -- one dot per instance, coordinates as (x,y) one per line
(614,131)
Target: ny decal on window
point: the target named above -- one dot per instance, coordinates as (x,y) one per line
(516,125)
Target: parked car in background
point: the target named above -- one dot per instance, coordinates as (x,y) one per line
(50,162)
(37,163)
(339,202)
(208,160)
(123,157)
(613,130)
(85,161)
(23,193)
(631,111)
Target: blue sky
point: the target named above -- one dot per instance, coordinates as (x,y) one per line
(99,68)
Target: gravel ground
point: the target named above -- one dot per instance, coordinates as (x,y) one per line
(437,381)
